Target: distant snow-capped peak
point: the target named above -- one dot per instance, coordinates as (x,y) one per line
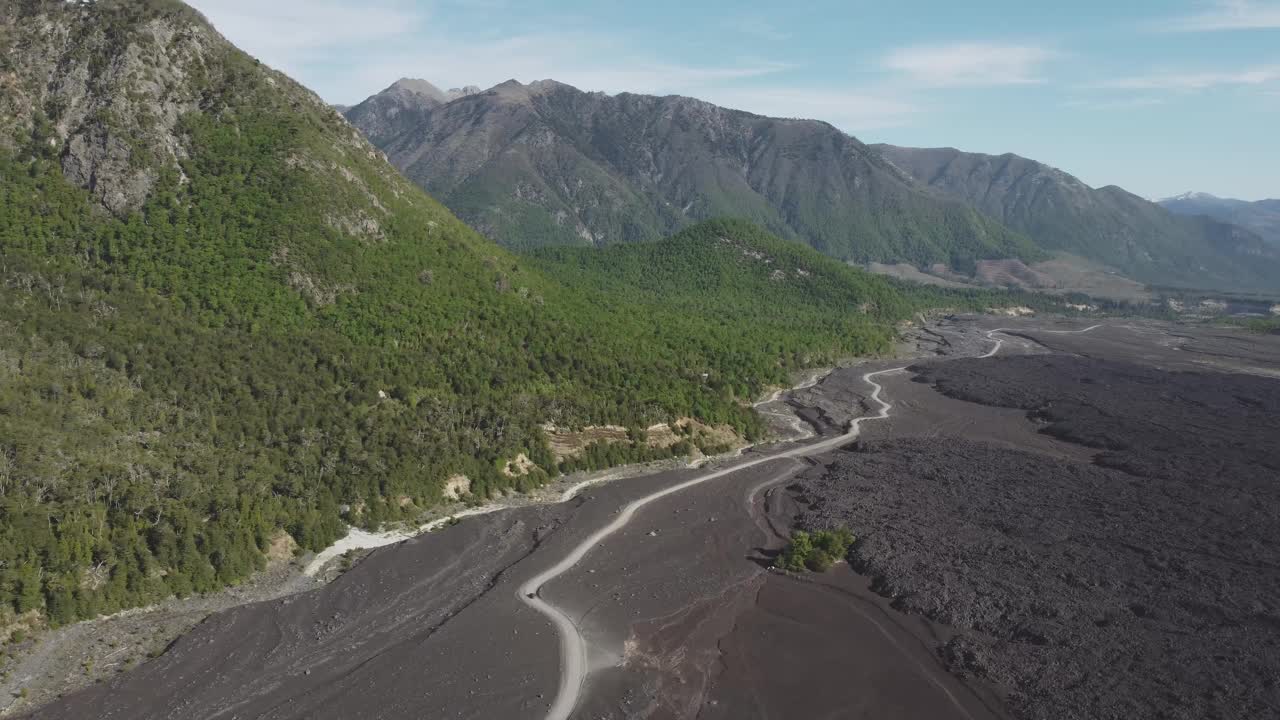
(1191,196)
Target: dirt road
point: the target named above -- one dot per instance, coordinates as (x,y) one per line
(573,646)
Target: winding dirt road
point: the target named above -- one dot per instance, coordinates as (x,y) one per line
(999,343)
(573,645)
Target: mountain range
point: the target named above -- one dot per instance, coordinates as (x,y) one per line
(546,163)
(1107,225)
(1261,216)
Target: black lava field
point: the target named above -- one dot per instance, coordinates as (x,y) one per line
(1144,585)
(1200,427)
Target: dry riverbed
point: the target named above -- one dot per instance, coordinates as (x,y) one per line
(46,664)
(944,615)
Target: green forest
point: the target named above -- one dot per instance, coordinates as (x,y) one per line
(286,328)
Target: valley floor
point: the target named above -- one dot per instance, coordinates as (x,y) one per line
(47,664)
(954,587)
(1064,273)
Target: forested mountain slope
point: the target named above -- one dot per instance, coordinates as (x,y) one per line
(546,163)
(727,286)
(226,316)
(1109,225)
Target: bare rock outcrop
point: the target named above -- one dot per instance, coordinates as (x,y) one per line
(113,124)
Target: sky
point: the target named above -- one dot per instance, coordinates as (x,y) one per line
(1158,97)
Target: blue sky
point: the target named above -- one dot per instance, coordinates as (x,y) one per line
(1157,97)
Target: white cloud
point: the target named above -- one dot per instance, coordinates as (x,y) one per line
(969,64)
(1191,81)
(1227,15)
(346,54)
(584,61)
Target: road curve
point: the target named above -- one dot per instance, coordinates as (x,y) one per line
(573,646)
(1000,343)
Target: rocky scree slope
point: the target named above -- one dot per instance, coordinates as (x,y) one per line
(546,163)
(1108,225)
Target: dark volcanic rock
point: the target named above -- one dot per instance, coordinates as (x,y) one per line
(1146,585)
(1085,592)
(1211,428)
(416,630)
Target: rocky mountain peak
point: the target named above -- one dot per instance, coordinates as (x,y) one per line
(1262,216)
(508,86)
(1108,224)
(466,90)
(548,85)
(417,87)
(398,107)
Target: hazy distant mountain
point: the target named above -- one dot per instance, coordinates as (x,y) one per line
(546,163)
(1262,216)
(1110,225)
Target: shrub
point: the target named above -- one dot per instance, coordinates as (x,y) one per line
(819,560)
(835,543)
(797,551)
(816,552)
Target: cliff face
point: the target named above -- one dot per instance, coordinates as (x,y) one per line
(106,92)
